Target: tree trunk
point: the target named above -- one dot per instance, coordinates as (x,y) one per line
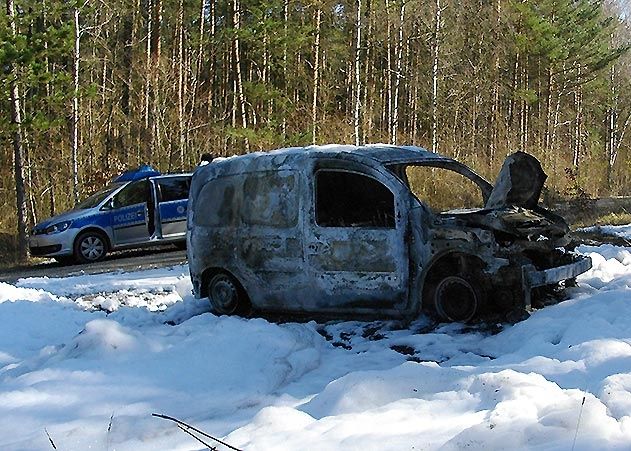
(74,126)
(578,122)
(435,69)
(180,86)
(236,18)
(358,81)
(399,50)
(388,78)
(316,76)
(18,150)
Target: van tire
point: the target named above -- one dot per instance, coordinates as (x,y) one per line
(90,246)
(456,298)
(226,295)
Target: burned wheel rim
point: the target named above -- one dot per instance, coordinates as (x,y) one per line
(456,299)
(223,294)
(92,248)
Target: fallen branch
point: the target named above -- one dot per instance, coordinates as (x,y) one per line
(50,439)
(181,423)
(211,448)
(578,423)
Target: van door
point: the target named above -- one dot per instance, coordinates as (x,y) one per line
(130,219)
(270,239)
(172,197)
(356,248)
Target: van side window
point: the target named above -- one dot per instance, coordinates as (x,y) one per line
(217,203)
(271,199)
(173,188)
(132,194)
(348,199)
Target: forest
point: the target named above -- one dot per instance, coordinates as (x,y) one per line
(91,88)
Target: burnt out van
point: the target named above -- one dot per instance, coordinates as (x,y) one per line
(362,231)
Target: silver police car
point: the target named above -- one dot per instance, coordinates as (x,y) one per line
(139,208)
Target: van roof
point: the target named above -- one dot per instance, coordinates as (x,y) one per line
(381,153)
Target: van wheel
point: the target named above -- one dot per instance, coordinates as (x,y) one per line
(456,299)
(226,296)
(90,247)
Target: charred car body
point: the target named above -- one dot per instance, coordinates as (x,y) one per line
(338,230)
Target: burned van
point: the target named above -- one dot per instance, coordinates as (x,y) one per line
(346,230)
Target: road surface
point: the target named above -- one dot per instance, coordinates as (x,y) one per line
(123,260)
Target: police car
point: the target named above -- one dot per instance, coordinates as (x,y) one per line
(140,207)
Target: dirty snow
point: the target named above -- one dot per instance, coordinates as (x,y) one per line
(89,359)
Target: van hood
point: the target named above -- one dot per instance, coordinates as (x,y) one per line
(518,184)
(512,207)
(531,224)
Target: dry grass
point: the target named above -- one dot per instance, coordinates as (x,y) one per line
(443,189)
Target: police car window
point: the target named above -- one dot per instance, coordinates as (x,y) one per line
(134,193)
(175,188)
(347,199)
(96,198)
(270,199)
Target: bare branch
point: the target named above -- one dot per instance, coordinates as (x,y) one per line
(50,439)
(181,423)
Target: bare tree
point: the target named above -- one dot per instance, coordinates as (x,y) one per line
(358,81)
(74,126)
(18,150)
(316,74)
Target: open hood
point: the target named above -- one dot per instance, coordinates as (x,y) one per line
(518,184)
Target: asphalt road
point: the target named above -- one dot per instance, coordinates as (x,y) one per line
(124,260)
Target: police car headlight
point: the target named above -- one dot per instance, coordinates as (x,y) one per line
(56,228)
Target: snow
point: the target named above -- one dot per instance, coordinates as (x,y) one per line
(88,359)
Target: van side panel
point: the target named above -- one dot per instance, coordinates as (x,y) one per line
(270,239)
(213,228)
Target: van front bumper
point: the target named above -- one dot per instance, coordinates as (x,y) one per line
(533,278)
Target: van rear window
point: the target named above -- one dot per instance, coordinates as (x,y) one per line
(271,199)
(217,203)
(267,199)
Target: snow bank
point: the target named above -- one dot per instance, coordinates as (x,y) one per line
(89,358)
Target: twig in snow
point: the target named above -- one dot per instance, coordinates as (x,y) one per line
(578,423)
(181,423)
(211,448)
(109,428)
(50,439)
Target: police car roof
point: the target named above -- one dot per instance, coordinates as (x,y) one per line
(141,172)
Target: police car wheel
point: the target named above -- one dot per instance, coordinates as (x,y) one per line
(225,294)
(90,247)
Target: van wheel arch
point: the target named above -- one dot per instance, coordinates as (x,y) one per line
(225,281)
(453,274)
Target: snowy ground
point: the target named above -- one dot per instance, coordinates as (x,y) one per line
(88,359)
